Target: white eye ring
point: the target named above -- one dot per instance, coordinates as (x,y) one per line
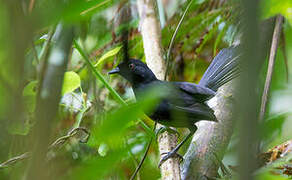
(131,66)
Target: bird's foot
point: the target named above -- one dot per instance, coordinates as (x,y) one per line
(169,155)
(162,129)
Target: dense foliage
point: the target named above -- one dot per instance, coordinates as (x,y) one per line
(110,132)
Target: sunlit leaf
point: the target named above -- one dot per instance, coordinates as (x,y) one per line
(71,82)
(30,89)
(107,55)
(273,7)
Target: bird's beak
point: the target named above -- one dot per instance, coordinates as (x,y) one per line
(114,71)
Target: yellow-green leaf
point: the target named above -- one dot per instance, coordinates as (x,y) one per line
(107,55)
(71,82)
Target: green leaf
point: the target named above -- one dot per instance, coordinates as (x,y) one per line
(71,82)
(87,169)
(272,125)
(29,96)
(113,127)
(99,75)
(271,8)
(30,89)
(107,55)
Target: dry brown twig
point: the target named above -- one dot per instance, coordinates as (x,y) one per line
(57,143)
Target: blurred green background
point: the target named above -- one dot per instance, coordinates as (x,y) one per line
(118,134)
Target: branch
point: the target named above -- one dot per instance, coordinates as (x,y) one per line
(56,144)
(48,99)
(151,34)
(14,160)
(203,157)
(272,58)
(210,140)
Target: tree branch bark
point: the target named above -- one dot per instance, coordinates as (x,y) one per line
(151,34)
(211,139)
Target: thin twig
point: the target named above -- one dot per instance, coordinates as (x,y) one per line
(133,157)
(273,52)
(173,38)
(60,141)
(93,8)
(144,156)
(15,160)
(57,143)
(46,45)
(41,68)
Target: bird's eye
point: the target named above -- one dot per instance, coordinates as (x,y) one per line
(131,66)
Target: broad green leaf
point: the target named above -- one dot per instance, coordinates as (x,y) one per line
(112,128)
(97,167)
(107,55)
(273,7)
(71,82)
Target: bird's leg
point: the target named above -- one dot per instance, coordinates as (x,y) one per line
(162,129)
(173,152)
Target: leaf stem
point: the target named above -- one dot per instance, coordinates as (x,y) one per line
(106,84)
(98,74)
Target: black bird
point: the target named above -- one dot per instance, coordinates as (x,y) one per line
(185,103)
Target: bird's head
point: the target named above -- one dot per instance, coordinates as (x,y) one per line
(135,71)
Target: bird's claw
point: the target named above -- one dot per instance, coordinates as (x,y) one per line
(169,155)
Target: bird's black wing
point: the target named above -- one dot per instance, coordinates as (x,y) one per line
(182,116)
(197,111)
(200,93)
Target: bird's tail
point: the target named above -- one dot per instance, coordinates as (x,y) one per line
(224,67)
